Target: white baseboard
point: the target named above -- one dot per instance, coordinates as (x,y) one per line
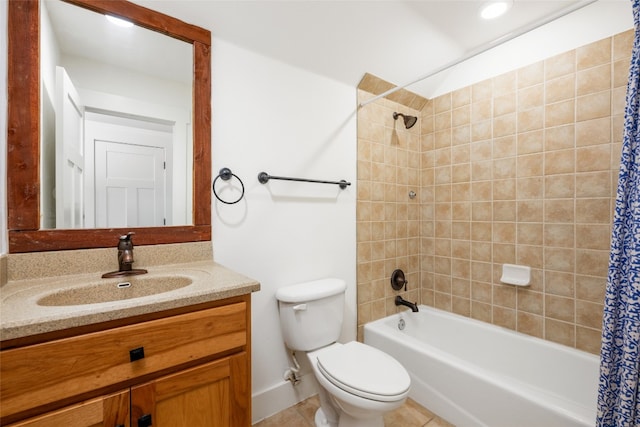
(282,396)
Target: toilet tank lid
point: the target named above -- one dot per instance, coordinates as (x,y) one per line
(310,291)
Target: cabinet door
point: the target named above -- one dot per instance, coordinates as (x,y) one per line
(106,411)
(204,396)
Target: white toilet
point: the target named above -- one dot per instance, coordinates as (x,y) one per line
(359,383)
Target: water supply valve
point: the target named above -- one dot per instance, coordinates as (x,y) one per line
(398,280)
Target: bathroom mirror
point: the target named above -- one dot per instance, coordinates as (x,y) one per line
(25,126)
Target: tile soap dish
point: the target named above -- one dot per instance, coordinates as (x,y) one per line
(519,275)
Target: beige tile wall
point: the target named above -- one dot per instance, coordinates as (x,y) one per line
(520,168)
(388,221)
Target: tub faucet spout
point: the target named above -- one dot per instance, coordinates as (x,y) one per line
(401,301)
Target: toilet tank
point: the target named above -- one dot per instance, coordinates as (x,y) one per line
(311,313)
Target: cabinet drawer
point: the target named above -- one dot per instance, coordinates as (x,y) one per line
(44,373)
(103,411)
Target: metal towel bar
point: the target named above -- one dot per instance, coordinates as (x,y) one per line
(264,177)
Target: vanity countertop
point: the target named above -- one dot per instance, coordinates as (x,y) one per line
(21,315)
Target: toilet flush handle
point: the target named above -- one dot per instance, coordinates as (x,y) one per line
(300,307)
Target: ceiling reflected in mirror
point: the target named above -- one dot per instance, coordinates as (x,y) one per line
(86,34)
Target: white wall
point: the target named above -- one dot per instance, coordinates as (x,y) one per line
(268,116)
(49,58)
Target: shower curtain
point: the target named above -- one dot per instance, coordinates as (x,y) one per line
(619,395)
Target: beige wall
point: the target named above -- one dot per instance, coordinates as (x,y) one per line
(388,221)
(521,168)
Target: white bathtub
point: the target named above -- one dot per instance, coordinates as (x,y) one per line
(472,373)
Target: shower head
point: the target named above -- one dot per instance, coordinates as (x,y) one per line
(409,121)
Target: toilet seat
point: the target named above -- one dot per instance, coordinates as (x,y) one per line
(364,371)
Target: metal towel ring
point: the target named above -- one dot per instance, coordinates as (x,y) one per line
(226,174)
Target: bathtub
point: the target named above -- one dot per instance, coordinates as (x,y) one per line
(472,373)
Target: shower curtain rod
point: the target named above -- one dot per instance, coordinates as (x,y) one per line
(494,43)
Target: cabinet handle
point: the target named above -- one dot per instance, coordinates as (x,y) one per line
(144,421)
(136,354)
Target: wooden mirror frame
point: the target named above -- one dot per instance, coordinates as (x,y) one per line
(23,133)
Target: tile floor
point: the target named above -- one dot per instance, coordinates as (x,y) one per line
(408,415)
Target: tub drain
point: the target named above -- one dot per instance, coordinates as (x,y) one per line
(401,324)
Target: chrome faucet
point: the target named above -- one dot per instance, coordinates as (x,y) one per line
(125,259)
(401,301)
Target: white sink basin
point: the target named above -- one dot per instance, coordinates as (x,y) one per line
(114,290)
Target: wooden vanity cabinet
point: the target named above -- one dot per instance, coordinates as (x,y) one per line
(187,369)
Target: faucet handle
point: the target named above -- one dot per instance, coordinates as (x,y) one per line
(125,243)
(127,236)
(398,280)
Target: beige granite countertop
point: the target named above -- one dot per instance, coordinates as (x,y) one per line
(21,315)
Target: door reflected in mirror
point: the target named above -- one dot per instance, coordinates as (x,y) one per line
(116,115)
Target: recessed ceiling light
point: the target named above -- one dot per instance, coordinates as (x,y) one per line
(494,9)
(119,21)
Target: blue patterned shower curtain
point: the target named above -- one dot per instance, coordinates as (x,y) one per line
(619,395)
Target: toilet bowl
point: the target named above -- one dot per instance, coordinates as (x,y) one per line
(362,381)
(358,383)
